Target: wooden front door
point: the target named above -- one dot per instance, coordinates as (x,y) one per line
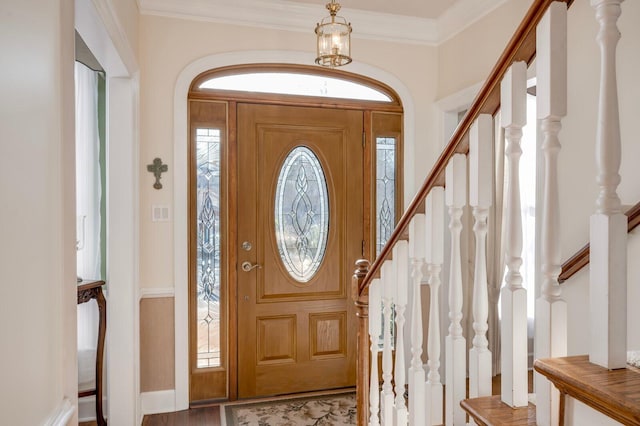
(300,230)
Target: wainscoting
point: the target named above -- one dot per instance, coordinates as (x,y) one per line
(157,344)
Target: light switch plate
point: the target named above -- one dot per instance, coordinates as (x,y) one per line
(160,213)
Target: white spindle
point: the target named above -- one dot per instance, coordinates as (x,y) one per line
(417,395)
(513,295)
(386,398)
(456,368)
(608,255)
(480,196)
(434,257)
(375,315)
(551,310)
(401,267)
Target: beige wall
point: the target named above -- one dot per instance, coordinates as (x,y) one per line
(128,17)
(37,244)
(468,57)
(168,45)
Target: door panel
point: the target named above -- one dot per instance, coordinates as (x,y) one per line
(294,329)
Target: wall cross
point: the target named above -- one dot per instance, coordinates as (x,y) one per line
(157,168)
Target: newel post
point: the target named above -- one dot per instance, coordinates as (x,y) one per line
(361,301)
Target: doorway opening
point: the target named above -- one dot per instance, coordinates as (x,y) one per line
(283,184)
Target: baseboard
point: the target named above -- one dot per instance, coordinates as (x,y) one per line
(158,402)
(62,414)
(87,408)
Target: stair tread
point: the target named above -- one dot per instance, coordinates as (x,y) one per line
(615,393)
(491,411)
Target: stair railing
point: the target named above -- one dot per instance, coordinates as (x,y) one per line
(402,267)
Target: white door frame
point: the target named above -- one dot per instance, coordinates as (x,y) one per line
(98,26)
(180,174)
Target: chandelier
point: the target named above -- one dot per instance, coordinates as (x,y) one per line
(334,39)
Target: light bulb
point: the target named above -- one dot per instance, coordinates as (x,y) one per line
(336,44)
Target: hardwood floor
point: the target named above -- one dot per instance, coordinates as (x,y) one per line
(205,416)
(210,416)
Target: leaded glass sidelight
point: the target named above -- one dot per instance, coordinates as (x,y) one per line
(301,214)
(385,190)
(208,247)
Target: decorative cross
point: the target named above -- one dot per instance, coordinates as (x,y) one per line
(157,168)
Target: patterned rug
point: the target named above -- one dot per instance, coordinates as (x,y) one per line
(323,410)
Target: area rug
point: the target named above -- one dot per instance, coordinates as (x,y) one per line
(321,410)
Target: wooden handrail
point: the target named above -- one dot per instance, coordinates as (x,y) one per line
(521,47)
(581,258)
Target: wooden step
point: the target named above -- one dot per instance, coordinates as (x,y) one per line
(491,411)
(615,393)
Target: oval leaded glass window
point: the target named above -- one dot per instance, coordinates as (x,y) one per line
(302,214)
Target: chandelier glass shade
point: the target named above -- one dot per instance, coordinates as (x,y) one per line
(334,39)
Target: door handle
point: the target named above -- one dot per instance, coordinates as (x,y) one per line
(247,266)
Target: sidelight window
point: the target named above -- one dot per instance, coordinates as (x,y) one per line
(385,190)
(208,247)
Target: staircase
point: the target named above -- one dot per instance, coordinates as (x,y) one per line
(388,292)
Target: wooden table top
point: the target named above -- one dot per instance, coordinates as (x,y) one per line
(89,284)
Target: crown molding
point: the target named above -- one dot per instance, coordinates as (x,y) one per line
(301,17)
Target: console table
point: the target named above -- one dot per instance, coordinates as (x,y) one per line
(88,290)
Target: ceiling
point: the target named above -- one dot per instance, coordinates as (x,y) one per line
(430,9)
(427,22)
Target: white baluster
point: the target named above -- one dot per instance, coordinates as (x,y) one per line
(386,398)
(513,295)
(480,196)
(401,267)
(551,310)
(456,347)
(417,395)
(434,256)
(375,320)
(608,255)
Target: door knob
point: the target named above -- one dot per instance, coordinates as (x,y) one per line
(247,266)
